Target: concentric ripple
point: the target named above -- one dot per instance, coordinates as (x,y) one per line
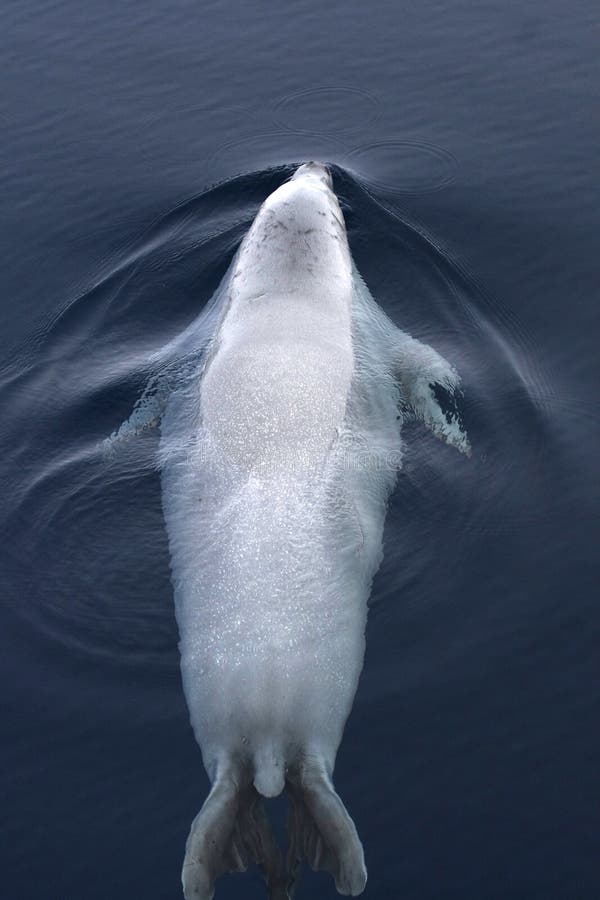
(101,581)
(403,166)
(327,110)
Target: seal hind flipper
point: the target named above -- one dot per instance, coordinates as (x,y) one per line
(322,832)
(229,832)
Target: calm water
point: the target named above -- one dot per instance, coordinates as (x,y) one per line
(138,141)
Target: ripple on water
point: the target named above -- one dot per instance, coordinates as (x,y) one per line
(327,110)
(100,552)
(271,149)
(96,531)
(403,166)
(504,486)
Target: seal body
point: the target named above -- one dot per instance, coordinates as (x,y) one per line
(267,547)
(263,535)
(278,451)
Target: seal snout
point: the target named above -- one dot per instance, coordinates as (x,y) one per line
(315,170)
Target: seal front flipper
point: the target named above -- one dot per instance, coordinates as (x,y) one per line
(150,406)
(172,366)
(426,378)
(146,414)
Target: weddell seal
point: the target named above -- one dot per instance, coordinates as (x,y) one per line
(280,411)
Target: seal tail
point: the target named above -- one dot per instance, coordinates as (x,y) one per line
(269,771)
(322,832)
(230,831)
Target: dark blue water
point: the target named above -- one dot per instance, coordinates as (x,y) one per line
(138,141)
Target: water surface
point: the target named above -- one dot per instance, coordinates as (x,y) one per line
(138,143)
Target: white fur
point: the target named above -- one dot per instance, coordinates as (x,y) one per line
(266,543)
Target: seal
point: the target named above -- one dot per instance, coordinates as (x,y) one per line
(280,412)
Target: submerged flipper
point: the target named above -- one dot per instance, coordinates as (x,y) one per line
(322,832)
(230,831)
(425,377)
(150,407)
(146,413)
(172,366)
